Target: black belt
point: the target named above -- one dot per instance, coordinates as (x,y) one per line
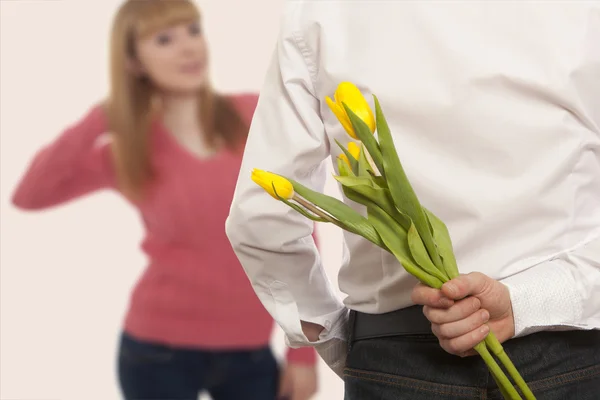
(407,321)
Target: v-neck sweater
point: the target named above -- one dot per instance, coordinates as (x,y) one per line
(193,292)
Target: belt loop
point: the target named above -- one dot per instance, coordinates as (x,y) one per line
(351,324)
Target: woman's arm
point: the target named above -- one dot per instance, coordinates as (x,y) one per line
(73,165)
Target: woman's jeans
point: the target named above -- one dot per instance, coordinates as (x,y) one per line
(555,365)
(151,372)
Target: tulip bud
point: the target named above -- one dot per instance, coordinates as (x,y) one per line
(354,150)
(273,183)
(349,94)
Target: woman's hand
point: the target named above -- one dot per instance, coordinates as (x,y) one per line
(298,382)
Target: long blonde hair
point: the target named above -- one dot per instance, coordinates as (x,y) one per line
(130,104)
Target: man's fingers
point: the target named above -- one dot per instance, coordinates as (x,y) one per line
(464,343)
(458,328)
(465,285)
(427,296)
(460,310)
(469,353)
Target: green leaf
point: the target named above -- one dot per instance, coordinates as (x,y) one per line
(419,253)
(367,188)
(441,236)
(364,168)
(350,219)
(351,159)
(380,181)
(402,192)
(355,196)
(344,168)
(396,241)
(366,137)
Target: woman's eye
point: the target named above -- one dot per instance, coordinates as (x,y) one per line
(194,29)
(163,39)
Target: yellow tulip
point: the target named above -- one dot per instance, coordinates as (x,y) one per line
(349,94)
(344,158)
(354,150)
(267,180)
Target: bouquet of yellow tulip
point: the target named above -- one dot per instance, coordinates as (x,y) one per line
(372,175)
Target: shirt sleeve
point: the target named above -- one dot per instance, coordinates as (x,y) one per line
(563,293)
(73,165)
(273,242)
(560,294)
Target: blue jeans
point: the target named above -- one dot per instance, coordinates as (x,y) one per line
(151,372)
(555,365)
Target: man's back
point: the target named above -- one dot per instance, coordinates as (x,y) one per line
(495,111)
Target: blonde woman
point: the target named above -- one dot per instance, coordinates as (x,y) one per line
(194,323)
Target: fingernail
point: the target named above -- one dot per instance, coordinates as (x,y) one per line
(445,302)
(485,316)
(484,330)
(451,288)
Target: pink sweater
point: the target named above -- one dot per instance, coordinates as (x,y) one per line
(194,292)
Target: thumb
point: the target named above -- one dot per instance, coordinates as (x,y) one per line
(462,286)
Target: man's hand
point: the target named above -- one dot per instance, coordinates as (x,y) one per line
(298,382)
(460,310)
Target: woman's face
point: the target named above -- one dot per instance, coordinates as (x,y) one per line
(174,59)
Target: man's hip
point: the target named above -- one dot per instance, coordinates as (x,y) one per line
(411,364)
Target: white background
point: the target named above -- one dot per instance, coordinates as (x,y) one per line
(66,273)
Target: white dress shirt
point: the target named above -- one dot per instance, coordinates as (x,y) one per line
(495,111)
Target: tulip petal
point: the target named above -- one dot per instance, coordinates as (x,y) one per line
(268,180)
(354,150)
(344,158)
(349,157)
(341,116)
(351,95)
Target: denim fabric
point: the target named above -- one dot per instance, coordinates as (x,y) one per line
(556,366)
(151,372)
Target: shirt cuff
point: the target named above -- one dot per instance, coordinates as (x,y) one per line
(544,297)
(335,327)
(302,356)
(332,345)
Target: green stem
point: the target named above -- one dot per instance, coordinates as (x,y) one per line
(494,345)
(502,391)
(499,375)
(326,217)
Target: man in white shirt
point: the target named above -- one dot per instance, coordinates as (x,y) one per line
(495,112)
